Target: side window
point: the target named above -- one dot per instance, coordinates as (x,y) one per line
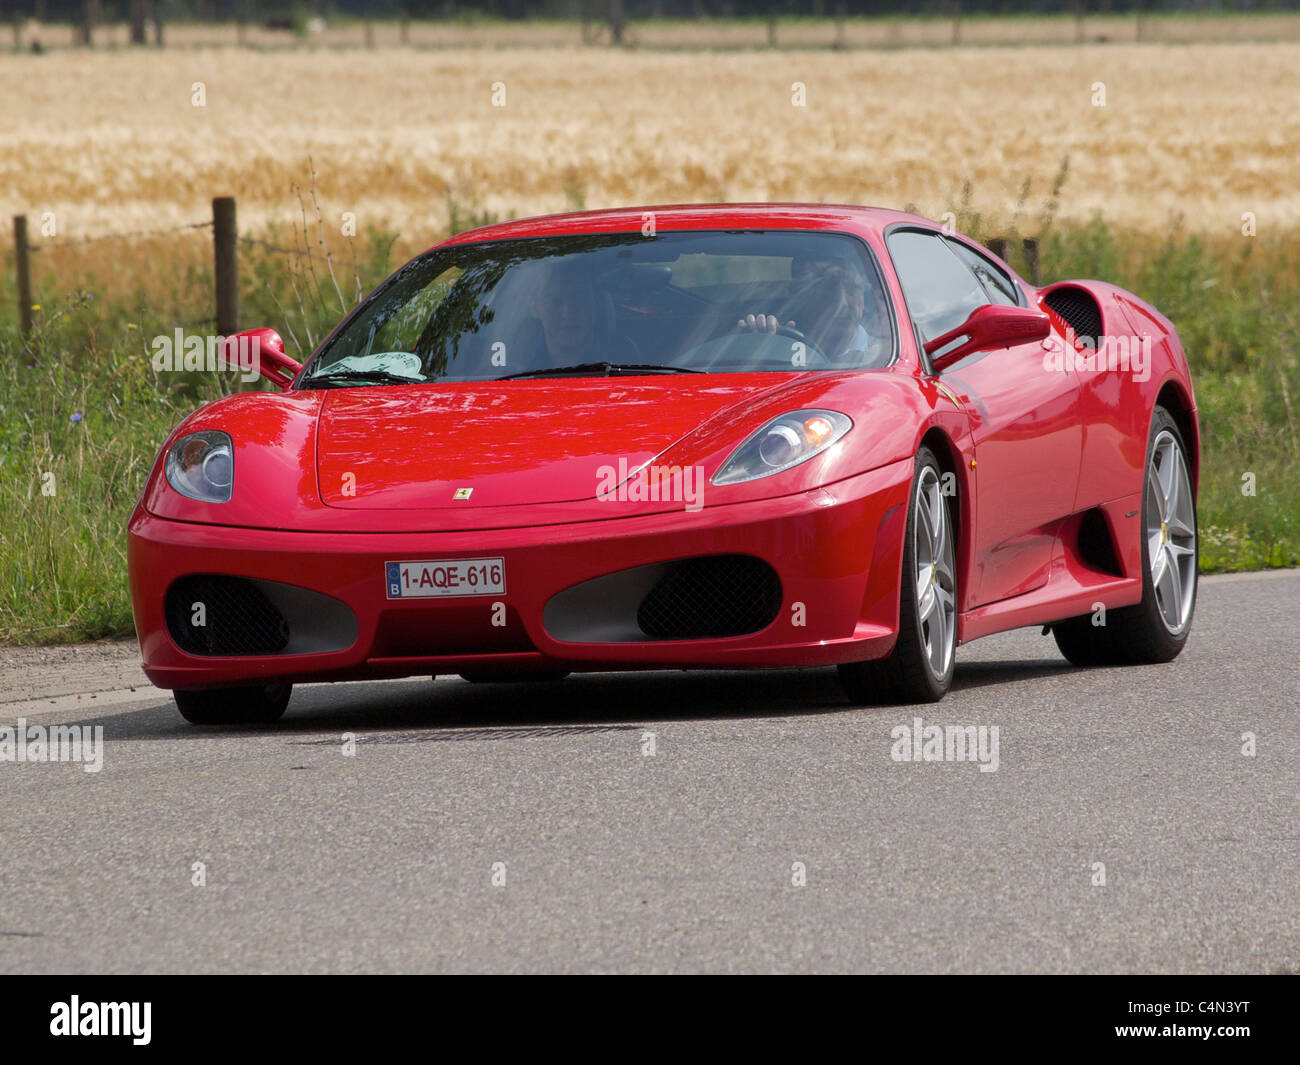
(940,291)
(997,284)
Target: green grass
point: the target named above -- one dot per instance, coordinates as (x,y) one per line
(92,412)
(1236,304)
(83,413)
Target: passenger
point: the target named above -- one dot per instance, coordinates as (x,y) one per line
(577,319)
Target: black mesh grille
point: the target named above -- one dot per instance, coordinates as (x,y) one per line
(1079,310)
(718,595)
(237,617)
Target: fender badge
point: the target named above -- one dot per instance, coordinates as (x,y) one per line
(948,392)
(463,493)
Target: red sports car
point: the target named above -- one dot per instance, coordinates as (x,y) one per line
(675,437)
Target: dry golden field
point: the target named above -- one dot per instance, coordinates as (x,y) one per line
(111,141)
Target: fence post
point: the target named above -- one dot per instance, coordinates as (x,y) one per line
(617,21)
(23,263)
(225,237)
(137,12)
(1031,260)
(89,22)
(998,246)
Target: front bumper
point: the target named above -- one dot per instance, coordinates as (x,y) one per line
(837,551)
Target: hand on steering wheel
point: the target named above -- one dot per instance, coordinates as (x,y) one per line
(762,323)
(768,323)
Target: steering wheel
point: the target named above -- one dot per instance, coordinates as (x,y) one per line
(794,334)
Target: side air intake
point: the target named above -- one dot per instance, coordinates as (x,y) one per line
(1079,310)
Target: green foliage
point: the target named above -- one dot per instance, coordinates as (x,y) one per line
(1236,305)
(462,216)
(78,434)
(83,413)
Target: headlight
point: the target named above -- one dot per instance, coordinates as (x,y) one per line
(783,442)
(202,466)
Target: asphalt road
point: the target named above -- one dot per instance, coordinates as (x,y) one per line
(682,860)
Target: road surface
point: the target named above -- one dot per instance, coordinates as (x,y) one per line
(529,828)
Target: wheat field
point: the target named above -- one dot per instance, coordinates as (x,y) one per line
(111,141)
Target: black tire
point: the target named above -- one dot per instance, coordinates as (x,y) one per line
(907,675)
(1085,644)
(505,676)
(1136,635)
(260,704)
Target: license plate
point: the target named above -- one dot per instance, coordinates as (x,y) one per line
(445,577)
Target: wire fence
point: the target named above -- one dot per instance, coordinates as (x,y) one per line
(226,242)
(139,234)
(225,260)
(253,242)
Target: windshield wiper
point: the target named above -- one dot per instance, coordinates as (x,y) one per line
(607,369)
(359,377)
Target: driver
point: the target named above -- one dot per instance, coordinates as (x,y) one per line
(830,299)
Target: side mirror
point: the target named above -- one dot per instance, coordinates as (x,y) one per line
(261,350)
(988,327)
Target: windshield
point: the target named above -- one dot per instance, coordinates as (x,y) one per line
(715,302)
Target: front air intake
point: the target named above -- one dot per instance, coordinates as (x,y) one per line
(208,614)
(710,597)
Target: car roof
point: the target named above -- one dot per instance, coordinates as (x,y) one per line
(695,216)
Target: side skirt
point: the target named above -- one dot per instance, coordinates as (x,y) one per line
(1078,581)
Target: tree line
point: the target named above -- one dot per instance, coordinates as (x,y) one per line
(290,14)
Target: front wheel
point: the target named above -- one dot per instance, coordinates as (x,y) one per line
(919,669)
(1156,629)
(260,704)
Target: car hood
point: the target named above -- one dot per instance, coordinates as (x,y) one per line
(495,444)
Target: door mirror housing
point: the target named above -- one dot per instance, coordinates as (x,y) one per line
(262,350)
(988,327)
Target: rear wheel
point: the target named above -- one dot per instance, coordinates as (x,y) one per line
(919,669)
(1156,629)
(260,704)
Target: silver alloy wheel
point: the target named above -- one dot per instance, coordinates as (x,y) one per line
(932,550)
(1171,533)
